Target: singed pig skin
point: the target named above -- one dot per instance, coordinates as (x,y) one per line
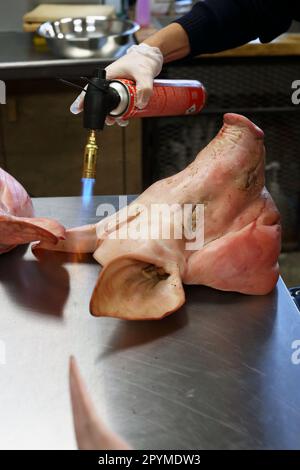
(142,279)
(17,222)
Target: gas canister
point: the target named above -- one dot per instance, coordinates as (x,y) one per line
(169,98)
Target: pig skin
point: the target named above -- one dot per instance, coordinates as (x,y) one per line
(17,224)
(90,430)
(142,279)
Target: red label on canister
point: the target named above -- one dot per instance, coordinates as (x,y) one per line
(169,98)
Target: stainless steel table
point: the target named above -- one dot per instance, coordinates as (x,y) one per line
(216,374)
(20,59)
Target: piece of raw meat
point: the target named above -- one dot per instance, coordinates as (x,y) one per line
(142,278)
(17,224)
(91,432)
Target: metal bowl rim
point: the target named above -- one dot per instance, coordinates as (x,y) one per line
(134,26)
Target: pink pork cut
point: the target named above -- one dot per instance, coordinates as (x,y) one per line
(17,225)
(143,278)
(91,431)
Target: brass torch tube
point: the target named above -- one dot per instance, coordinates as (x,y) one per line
(90,157)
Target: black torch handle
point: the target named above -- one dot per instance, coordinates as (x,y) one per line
(100,100)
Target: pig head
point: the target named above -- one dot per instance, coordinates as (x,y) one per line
(142,276)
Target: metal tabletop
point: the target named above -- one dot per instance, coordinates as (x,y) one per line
(21,59)
(219,373)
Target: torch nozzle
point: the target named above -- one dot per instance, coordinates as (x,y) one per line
(90,157)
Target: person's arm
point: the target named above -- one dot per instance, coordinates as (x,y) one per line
(172,41)
(218,25)
(211,26)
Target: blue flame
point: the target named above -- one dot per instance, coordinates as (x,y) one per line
(87,190)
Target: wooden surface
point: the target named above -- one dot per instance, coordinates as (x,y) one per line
(46,12)
(286,44)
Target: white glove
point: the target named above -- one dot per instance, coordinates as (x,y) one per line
(142,64)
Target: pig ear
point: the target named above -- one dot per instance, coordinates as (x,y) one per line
(135,288)
(20,230)
(91,432)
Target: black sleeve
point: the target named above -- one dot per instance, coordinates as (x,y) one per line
(217,25)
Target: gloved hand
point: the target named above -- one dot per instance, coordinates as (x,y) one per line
(142,64)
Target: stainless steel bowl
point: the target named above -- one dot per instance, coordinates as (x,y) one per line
(89,37)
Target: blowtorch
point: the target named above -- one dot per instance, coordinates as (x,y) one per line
(100,100)
(117,98)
